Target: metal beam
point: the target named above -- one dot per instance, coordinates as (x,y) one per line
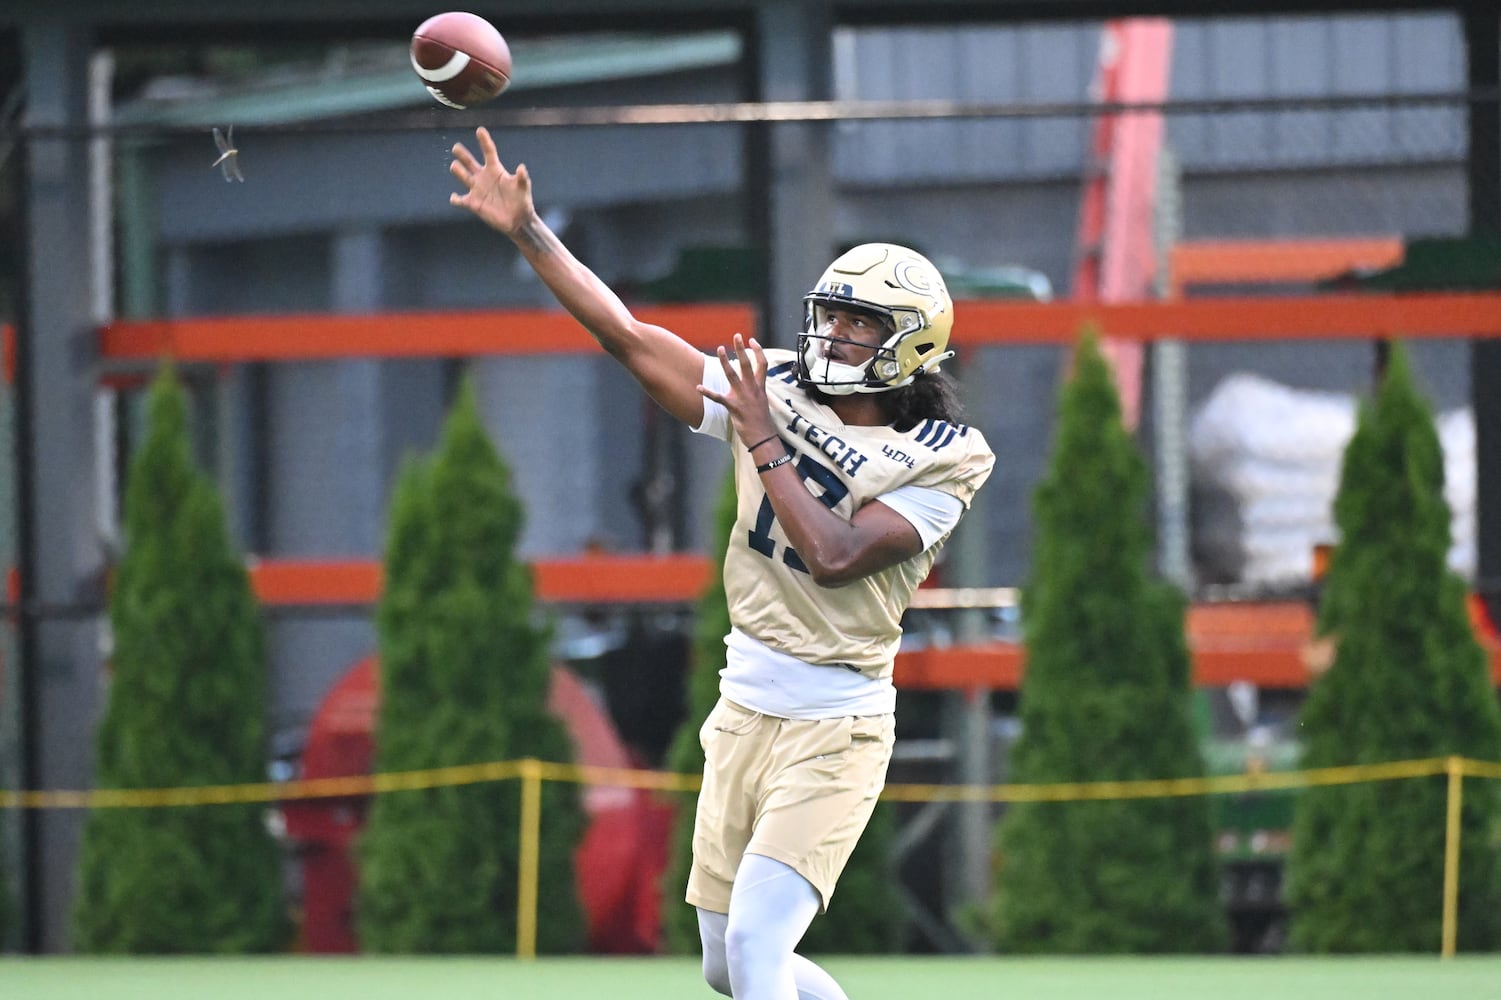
(792,169)
(61,557)
(1482,25)
(190,17)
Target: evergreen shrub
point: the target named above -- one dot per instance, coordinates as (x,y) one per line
(1106,697)
(1408,681)
(464,677)
(686,755)
(7,903)
(186,707)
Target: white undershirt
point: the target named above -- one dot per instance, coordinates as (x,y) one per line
(771,682)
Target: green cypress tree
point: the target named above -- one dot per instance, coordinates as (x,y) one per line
(686,755)
(1106,697)
(464,672)
(865,887)
(1408,681)
(7,902)
(186,707)
(7,913)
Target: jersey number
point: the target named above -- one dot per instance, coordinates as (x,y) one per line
(834,491)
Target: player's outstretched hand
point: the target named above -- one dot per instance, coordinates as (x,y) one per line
(746,397)
(501,198)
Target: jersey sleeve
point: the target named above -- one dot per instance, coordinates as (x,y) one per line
(953,458)
(933,513)
(716,422)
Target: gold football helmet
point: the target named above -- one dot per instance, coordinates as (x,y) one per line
(905,290)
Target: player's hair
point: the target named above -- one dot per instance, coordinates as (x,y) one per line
(930,396)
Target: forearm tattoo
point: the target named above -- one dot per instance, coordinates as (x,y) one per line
(536,238)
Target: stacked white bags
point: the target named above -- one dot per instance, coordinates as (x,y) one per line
(1265,463)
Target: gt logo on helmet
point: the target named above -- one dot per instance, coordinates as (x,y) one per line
(916,276)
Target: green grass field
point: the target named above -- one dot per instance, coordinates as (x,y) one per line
(1407,978)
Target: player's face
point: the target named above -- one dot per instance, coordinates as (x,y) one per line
(852,335)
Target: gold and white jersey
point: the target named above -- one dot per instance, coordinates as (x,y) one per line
(772,596)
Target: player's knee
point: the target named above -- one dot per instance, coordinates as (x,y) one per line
(717,972)
(746,944)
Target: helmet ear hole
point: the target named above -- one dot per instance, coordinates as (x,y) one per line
(925,348)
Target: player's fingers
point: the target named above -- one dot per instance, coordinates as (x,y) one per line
(746,358)
(710,394)
(724,362)
(463,173)
(523,178)
(760,356)
(487,146)
(462,155)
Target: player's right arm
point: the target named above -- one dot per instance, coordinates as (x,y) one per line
(668,367)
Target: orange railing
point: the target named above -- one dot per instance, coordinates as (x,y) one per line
(230,339)
(982,322)
(1264,643)
(1266,262)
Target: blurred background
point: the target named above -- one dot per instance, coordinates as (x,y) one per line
(323,311)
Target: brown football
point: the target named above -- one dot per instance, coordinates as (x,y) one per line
(461,58)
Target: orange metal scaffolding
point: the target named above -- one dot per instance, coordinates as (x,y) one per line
(1263,643)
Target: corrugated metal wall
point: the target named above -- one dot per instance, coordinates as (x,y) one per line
(1242,58)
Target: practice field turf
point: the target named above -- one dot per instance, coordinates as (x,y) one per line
(307,978)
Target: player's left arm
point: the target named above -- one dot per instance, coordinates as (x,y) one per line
(879,541)
(835,550)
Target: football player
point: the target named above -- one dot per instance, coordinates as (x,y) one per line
(851,471)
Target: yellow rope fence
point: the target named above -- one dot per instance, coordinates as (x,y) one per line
(532,773)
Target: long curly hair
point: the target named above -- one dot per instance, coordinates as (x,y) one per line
(931,396)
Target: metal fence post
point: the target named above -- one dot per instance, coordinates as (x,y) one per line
(527,862)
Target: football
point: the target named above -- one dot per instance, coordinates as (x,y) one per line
(461,59)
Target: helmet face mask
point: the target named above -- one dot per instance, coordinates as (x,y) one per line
(905,292)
